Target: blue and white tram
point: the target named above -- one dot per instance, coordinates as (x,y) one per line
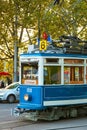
(52,85)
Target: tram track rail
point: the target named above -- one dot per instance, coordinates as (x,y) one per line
(68,128)
(44,125)
(71,124)
(14,124)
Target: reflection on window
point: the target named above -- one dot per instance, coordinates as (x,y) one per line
(52,75)
(73,75)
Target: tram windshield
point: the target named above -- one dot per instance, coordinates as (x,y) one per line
(29,73)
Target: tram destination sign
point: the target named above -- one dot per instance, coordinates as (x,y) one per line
(23,59)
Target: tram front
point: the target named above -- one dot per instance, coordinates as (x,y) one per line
(31,81)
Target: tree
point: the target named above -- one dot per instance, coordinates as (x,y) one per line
(63,17)
(68,18)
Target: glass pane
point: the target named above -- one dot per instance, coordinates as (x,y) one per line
(73,61)
(29,73)
(66,75)
(86,74)
(52,60)
(52,75)
(73,75)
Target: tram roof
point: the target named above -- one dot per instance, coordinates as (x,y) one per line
(52,55)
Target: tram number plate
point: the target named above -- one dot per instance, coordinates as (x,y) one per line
(29,90)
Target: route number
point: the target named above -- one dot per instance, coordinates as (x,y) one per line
(43,45)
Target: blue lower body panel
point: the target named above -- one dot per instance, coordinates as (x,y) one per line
(35,94)
(65,95)
(55,95)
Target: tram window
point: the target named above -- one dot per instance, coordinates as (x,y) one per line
(29,73)
(52,75)
(66,75)
(73,75)
(52,60)
(73,61)
(86,74)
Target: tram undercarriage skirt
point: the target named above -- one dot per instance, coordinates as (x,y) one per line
(49,114)
(54,113)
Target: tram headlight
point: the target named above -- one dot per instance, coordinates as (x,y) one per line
(26,97)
